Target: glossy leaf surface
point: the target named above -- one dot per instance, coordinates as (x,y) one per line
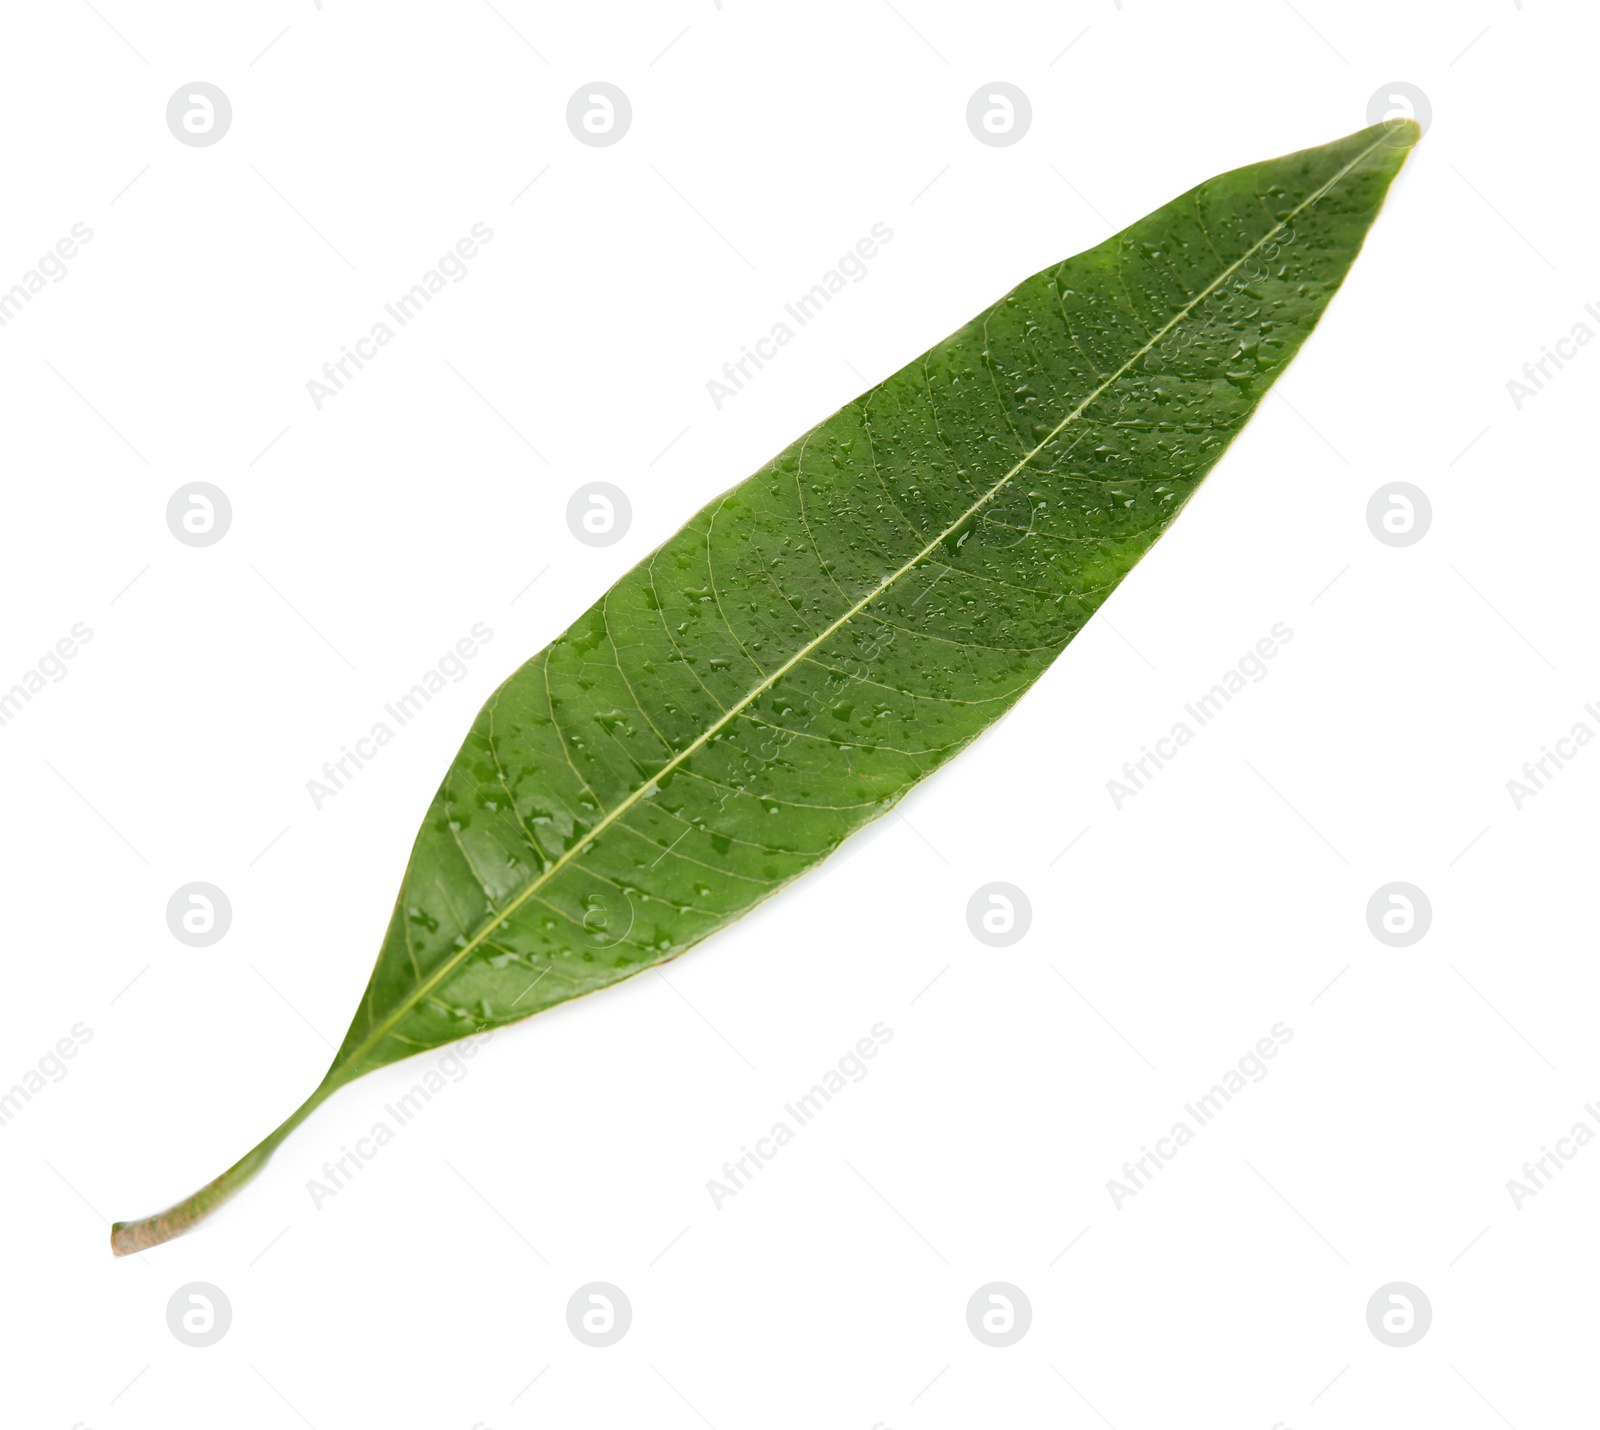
(835,628)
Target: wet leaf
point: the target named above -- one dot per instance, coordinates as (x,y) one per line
(832,630)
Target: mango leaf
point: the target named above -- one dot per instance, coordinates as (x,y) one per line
(832,630)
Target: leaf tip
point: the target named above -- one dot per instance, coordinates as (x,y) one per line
(1403,133)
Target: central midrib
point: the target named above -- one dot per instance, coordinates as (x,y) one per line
(452,963)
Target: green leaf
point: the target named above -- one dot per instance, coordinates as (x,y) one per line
(832,630)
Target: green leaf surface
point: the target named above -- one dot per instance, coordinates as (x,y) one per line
(834,629)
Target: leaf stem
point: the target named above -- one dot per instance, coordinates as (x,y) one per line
(128,1237)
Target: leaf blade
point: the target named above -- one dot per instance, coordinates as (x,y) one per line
(806,648)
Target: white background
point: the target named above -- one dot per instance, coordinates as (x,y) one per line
(1228,896)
